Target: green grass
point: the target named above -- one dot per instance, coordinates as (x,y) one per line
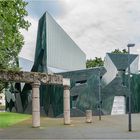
(8,119)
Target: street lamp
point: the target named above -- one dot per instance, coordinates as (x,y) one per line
(129,96)
(99,75)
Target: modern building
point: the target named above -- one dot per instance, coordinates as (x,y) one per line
(117,64)
(115,82)
(84,89)
(55,50)
(57,53)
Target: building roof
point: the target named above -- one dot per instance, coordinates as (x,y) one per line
(121,60)
(85,74)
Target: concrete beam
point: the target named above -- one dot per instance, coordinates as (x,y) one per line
(30,77)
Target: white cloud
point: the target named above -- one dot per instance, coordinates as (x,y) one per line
(30,36)
(100,26)
(97,26)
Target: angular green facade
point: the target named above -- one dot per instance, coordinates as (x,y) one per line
(57,53)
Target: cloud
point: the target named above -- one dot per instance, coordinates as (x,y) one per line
(97,26)
(100,26)
(36,8)
(30,36)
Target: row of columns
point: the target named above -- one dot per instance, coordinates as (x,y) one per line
(36,102)
(66,104)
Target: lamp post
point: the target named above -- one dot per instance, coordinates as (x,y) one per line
(99,75)
(129,86)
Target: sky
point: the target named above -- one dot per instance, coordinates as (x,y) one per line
(96,26)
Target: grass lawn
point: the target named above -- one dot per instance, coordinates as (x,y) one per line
(7,118)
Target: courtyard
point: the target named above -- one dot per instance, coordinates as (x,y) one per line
(110,127)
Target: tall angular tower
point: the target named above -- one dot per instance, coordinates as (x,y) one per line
(55,50)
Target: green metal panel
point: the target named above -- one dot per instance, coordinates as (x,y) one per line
(52,96)
(135,92)
(121,60)
(87,92)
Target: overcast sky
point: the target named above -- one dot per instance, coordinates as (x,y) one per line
(97,26)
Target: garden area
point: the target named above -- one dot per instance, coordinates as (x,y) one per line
(8,119)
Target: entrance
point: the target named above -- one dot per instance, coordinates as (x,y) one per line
(119,106)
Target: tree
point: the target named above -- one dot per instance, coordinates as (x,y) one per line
(117,51)
(12,14)
(94,62)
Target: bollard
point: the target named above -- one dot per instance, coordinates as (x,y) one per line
(66,84)
(88,116)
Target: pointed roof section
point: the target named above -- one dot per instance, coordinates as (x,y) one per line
(121,60)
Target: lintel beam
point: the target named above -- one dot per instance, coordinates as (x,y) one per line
(30,77)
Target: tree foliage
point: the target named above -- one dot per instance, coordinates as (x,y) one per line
(12,15)
(94,62)
(117,51)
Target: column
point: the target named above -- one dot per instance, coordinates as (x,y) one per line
(66,100)
(35,105)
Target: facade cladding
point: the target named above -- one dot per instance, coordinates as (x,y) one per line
(84,89)
(55,50)
(115,80)
(118,64)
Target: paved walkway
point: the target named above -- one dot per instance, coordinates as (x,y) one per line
(110,127)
